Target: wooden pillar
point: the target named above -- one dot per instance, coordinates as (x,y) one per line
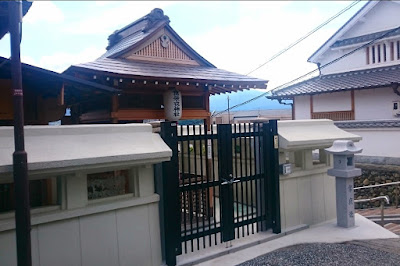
(311,107)
(114,109)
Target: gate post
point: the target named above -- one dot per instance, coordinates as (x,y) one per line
(225,173)
(168,189)
(271,166)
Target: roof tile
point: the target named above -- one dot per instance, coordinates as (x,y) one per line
(359,79)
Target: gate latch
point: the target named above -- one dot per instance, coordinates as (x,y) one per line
(231,181)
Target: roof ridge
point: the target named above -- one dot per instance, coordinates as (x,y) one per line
(155,16)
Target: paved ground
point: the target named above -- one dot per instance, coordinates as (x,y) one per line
(366,252)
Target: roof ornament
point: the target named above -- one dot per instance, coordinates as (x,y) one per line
(156,15)
(113,39)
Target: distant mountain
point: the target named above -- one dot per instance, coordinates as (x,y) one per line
(220,102)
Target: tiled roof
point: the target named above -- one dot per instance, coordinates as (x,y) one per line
(169,71)
(359,79)
(56,76)
(368,124)
(131,40)
(366,38)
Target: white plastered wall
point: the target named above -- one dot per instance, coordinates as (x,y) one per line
(374,104)
(302,107)
(330,102)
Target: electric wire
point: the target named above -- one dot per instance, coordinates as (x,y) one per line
(310,72)
(306,36)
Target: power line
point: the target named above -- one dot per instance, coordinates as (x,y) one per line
(306,36)
(309,73)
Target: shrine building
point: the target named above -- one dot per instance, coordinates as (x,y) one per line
(157,76)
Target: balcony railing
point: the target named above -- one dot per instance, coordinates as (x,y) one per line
(335,116)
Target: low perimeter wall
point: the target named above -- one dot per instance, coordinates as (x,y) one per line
(92,188)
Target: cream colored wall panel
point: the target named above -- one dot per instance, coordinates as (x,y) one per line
(134,236)
(330,196)
(318,201)
(99,239)
(291,199)
(304,200)
(282,204)
(155,240)
(59,243)
(8,251)
(35,247)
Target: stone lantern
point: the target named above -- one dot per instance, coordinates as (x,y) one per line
(343,169)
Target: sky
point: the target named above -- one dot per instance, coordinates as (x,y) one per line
(233,35)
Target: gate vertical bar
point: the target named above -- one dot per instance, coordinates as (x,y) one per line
(170,195)
(225,171)
(271,166)
(275,194)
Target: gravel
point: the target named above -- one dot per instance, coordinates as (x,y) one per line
(326,254)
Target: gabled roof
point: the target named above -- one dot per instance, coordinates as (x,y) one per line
(352,80)
(348,25)
(138,32)
(170,72)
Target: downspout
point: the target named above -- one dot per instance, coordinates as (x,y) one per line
(395,87)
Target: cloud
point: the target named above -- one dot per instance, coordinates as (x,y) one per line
(60,61)
(44,11)
(117,15)
(254,39)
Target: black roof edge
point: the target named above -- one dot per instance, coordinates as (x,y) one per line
(67,77)
(26,5)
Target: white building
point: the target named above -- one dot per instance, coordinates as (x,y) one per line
(363,85)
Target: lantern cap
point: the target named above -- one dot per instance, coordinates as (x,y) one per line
(343,147)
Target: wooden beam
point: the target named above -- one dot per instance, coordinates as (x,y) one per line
(311,106)
(140,114)
(114,108)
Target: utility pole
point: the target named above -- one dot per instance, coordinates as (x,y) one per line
(20,167)
(229,113)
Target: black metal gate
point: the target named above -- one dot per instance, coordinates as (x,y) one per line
(220,184)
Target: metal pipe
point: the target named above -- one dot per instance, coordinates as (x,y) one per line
(380,185)
(22,209)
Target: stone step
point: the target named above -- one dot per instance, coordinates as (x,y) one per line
(394,228)
(386,220)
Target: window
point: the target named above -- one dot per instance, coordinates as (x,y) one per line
(398,49)
(379,53)
(107,184)
(373,54)
(391,51)
(384,52)
(42,193)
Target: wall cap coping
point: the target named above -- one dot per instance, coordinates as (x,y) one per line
(310,134)
(69,146)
